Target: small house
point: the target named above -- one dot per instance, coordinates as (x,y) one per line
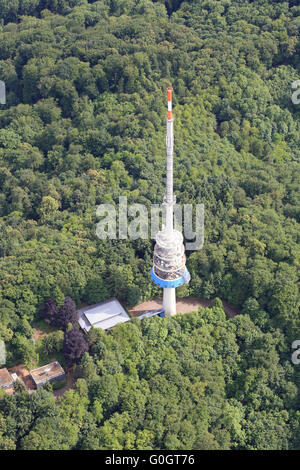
(48,373)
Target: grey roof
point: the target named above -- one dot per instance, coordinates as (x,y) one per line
(47,372)
(104,315)
(151,313)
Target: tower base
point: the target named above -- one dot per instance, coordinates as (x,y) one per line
(169,301)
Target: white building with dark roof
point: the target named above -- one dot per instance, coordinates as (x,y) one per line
(104,315)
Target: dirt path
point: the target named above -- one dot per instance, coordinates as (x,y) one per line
(24,377)
(38,333)
(187,305)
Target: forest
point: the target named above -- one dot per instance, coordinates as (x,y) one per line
(83,123)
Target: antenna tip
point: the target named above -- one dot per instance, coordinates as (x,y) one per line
(169,89)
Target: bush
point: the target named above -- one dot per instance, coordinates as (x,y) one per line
(53,342)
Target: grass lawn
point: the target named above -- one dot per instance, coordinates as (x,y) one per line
(44,327)
(58,384)
(45,358)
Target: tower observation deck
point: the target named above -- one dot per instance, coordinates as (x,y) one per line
(169,270)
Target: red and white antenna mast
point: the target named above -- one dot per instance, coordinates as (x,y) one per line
(169,199)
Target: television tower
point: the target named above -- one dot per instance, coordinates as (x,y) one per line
(169,270)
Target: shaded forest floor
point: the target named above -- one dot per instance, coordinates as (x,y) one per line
(186,305)
(70,383)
